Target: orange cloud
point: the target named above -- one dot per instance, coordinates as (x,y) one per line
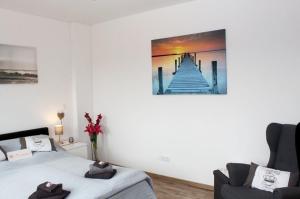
(207,41)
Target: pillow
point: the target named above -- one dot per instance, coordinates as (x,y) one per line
(251,174)
(269,179)
(2,154)
(19,154)
(10,145)
(40,143)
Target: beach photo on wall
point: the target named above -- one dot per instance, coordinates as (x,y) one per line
(18,64)
(190,64)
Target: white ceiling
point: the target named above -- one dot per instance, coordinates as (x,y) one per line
(85,11)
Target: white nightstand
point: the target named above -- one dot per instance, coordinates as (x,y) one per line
(76,148)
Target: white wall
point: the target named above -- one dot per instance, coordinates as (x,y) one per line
(198,133)
(82,76)
(60,75)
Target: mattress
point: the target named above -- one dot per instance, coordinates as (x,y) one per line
(20,178)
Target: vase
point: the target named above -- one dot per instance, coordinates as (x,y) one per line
(94,147)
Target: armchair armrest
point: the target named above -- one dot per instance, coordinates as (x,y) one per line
(238,173)
(221,176)
(287,193)
(219,180)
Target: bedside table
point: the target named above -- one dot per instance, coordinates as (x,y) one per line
(76,148)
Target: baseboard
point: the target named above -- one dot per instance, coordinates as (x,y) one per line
(177,180)
(186,182)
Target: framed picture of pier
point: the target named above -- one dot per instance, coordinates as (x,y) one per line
(18,64)
(190,64)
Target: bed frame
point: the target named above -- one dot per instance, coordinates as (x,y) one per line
(32,132)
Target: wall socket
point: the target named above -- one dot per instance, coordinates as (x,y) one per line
(164,158)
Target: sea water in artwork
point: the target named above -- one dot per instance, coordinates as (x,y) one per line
(190,64)
(18,64)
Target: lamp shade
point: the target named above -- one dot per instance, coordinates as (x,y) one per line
(59,129)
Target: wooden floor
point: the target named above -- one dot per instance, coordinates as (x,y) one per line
(170,189)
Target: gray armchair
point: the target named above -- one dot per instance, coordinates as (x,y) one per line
(282,139)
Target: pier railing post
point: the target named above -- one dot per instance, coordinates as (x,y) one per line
(195,57)
(160,81)
(179,62)
(200,65)
(175,67)
(214,77)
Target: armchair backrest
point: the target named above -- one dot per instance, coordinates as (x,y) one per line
(282,142)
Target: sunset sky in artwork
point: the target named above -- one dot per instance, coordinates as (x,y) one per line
(207,41)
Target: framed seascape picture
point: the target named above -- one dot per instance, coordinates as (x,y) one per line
(18,64)
(190,64)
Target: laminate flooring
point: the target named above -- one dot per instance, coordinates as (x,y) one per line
(170,189)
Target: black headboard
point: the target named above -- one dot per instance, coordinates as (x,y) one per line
(32,132)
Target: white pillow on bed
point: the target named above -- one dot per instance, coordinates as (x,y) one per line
(38,143)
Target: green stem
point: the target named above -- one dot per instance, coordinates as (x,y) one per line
(93,139)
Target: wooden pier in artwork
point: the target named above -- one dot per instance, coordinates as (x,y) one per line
(188,78)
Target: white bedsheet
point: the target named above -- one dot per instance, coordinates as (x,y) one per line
(19,179)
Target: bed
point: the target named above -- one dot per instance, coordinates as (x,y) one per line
(20,178)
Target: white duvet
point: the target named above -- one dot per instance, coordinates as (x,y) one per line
(19,179)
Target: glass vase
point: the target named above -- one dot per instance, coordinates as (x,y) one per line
(94,148)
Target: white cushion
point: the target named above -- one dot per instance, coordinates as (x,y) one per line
(19,154)
(38,143)
(269,179)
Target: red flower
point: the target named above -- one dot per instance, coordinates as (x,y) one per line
(91,128)
(97,129)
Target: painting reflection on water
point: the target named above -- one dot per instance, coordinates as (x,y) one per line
(18,65)
(190,64)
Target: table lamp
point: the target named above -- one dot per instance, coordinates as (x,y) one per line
(59,130)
